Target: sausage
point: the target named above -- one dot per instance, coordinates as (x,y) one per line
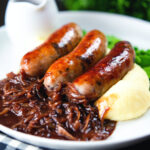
(88,52)
(61,42)
(103,75)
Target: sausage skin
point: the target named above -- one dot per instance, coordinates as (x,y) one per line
(61,42)
(104,74)
(88,52)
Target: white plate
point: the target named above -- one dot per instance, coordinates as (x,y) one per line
(134,30)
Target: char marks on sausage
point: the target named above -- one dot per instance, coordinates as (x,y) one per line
(103,75)
(61,42)
(87,53)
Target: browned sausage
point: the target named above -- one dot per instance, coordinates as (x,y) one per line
(104,74)
(88,52)
(58,44)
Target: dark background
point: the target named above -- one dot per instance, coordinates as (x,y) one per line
(135,8)
(3,4)
(139,8)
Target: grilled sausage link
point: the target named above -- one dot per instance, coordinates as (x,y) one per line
(88,52)
(58,44)
(103,75)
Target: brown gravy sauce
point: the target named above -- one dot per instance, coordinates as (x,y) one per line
(25,107)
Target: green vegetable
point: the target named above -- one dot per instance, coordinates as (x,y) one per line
(136,8)
(147,70)
(142,57)
(112,40)
(84,32)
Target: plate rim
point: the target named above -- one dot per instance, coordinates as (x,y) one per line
(92,143)
(102,13)
(83,143)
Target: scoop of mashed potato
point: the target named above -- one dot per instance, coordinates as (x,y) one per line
(127,99)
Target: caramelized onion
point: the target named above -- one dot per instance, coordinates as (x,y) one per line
(26,106)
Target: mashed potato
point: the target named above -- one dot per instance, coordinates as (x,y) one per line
(127,99)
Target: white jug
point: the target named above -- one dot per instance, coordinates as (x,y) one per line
(30,22)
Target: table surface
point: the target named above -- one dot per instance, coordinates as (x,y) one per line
(139,145)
